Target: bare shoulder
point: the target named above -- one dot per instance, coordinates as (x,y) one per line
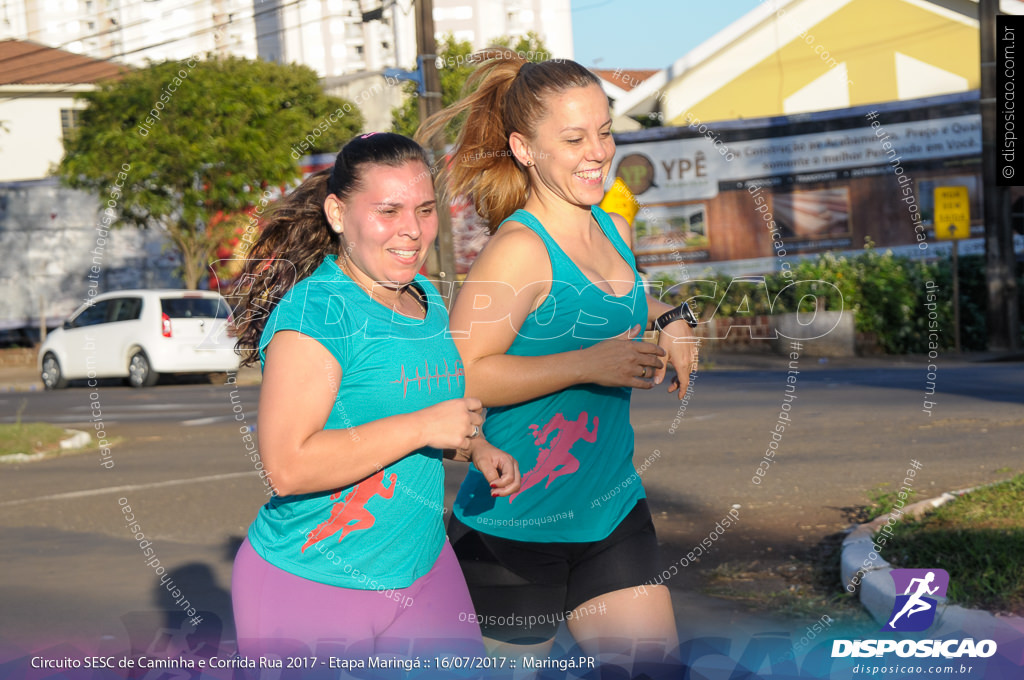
(625,231)
(515,253)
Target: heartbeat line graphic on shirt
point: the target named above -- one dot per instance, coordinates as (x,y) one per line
(555,461)
(351,514)
(448,375)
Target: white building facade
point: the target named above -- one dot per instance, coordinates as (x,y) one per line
(481,21)
(348,43)
(330,36)
(35,117)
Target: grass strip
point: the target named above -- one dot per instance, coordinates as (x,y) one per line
(30,438)
(978,538)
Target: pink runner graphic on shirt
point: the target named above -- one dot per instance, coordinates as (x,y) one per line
(352,509)
(555,461)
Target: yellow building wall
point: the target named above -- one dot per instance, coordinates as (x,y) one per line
(866,35)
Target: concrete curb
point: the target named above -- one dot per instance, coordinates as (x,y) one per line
(857,546)
(77,439)
(878,592)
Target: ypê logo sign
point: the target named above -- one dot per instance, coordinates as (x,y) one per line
(914,611)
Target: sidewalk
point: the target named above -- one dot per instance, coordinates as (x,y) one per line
(712,359)
(19,379)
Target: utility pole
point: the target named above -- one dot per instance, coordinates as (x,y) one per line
(1000,260)
(430,103)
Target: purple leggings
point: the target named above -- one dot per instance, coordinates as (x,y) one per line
(280,614)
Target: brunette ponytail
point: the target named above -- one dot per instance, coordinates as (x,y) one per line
(297,236)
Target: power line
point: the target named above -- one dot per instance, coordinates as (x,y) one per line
(193,34)
(92,35)
(83,17)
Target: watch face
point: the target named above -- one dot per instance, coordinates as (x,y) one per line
(687,314)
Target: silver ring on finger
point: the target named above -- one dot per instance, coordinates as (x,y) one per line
(476,432)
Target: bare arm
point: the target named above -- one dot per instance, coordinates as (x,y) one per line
(509,280)
(499,468)
(677,338)
(300,384)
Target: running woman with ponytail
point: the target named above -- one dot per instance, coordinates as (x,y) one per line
(547,325)
(362,389)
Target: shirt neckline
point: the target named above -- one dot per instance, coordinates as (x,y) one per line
(336,269)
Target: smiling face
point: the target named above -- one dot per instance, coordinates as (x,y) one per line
(387,225)
(570,151)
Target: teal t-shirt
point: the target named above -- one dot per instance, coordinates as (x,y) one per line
(387,530)
(574,447)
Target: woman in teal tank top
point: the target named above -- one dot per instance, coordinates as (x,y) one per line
(362,389)
(547,325)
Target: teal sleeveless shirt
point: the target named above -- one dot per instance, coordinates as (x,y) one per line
(387,530)
(574,447)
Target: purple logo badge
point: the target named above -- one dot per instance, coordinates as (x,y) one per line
(916,590)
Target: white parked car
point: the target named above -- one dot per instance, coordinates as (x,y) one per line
(139,334)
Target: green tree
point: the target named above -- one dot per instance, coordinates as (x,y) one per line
(454,67)
(529,46)
(178,147)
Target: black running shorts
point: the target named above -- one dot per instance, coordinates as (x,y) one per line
(521,591)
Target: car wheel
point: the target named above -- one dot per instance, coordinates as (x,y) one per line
(140,373)
(51,375)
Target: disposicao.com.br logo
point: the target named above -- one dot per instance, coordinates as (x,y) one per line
(914,610)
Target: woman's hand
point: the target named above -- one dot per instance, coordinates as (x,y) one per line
(623,362)
(497,467)
(450,424)
(681,346)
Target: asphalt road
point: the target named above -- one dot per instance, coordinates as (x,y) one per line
(74,574)
(188,405)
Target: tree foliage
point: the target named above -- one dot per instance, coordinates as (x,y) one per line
(195,142)
(454,67)
(529,46)
(899,303)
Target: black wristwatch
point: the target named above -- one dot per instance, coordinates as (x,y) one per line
(681,312)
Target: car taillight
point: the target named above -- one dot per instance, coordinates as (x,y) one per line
(165,325)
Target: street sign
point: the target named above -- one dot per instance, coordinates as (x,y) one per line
(952,213)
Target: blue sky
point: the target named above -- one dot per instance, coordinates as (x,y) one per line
(647,33)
